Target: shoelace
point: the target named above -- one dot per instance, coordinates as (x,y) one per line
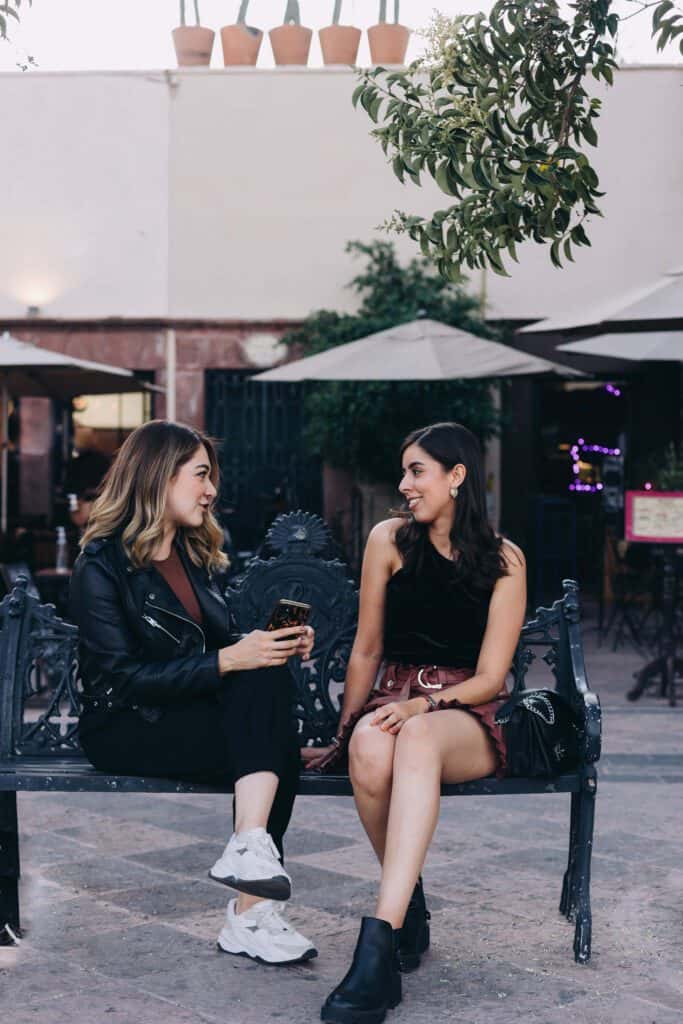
(267,917)
(264,843)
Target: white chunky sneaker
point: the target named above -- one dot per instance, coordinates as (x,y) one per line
(251,863)
(263,934)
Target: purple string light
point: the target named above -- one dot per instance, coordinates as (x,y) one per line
(575,453)
(612,389)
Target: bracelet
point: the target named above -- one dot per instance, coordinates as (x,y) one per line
(430,701)
(335,741)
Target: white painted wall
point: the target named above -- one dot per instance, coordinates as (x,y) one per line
(231,194)
(84,187)
(272,174)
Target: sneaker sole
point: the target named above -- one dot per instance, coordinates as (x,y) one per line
(278,888)
(310,954)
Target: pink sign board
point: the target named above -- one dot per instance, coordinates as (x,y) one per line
(655,517)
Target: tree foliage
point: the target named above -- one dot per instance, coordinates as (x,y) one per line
(360,425)
(9,9)
(499,114)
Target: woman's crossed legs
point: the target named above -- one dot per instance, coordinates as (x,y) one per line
(396,784)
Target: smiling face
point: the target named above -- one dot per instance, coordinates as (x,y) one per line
(190,492)
(425,485)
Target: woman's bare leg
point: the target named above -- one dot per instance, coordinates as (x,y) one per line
(371,758)
(254,795)
(448,746)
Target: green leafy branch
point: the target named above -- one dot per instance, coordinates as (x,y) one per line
(9,9)
(498,113)
(667,21)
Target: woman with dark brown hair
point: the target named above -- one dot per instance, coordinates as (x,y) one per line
(169,688)
(442,603)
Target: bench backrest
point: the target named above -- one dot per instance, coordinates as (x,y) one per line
(39,684)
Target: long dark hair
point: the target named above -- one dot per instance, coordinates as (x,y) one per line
(480,562)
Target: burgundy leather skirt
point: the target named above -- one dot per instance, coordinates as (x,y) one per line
(402,682)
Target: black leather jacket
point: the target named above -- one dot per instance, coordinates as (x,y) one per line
(137,645)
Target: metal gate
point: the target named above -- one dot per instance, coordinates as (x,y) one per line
(265,469)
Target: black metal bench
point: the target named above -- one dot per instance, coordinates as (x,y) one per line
(39,702)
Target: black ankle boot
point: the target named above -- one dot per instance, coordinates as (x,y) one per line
(373,983)
(414,935)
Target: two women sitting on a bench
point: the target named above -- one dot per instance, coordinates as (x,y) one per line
(442,603)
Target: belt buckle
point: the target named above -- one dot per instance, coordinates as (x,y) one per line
(423,683)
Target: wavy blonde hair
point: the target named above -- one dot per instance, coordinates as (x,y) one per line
(132,497)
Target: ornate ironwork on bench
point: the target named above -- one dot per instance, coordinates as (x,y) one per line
(40,700)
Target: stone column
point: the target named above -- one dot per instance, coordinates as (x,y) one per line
(36,437)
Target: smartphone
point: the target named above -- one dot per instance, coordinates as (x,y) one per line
(289,613)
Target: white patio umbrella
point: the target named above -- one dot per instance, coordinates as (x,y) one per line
(660,300)
(30,371)
(659,346)
(419,350)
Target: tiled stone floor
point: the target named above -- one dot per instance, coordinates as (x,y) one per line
(121,919)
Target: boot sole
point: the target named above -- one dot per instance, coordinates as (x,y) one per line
(310,954)
(278,888)
(348,1015)
(342,1016)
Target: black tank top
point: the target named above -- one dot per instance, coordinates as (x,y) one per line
(431,618)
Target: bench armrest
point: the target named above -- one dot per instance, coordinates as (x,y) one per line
(592,728)
(586,702)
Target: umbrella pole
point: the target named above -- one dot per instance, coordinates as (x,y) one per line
(5,442)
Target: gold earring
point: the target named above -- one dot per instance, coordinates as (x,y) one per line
(453,492)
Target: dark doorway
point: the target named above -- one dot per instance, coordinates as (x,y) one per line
(583,428)
(265,469)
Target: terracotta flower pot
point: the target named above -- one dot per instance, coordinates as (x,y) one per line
(240,44)
(291,44)
(388,43)
(193,45)
(339,44)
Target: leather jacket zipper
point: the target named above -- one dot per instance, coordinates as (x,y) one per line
(157,625)
(181,619)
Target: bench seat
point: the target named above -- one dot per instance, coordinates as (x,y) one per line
(76,775)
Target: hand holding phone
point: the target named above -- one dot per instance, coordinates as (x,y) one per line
(259,650)
(288,613)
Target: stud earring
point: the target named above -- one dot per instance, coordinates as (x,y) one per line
(453,492)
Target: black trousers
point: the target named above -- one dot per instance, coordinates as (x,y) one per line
(247,727)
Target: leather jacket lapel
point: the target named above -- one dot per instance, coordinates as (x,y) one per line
(214,608)
(147,585)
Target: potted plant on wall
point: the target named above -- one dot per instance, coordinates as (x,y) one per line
(291,42)
(241,42)
(388,43)
(193,43)
(339,43)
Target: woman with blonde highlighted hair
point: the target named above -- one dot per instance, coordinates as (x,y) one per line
(169,688)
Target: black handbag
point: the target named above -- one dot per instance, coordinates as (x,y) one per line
(542,734)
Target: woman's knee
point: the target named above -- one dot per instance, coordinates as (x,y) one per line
(370,758)
(416,740)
